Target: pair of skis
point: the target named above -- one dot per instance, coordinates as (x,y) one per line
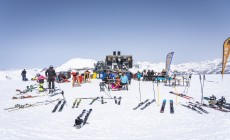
(163,106)
(58,104)
(79,122)
(181,95)
(77,103)
(19,106)
(146,103)
(117,100)
(28,96)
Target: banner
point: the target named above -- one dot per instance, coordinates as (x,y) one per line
(226,51)
(168,62)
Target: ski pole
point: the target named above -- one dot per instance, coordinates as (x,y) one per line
(158,93)
(140,90)
(201,90)
(154,91)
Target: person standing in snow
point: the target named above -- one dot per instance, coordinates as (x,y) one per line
(51,74)
(24,75)
(124,80)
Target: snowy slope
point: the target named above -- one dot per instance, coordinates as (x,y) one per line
(110,121)
(76,63)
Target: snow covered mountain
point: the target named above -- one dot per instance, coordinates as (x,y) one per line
(204,67)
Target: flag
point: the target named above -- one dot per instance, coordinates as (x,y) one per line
(168,62)
(226,51)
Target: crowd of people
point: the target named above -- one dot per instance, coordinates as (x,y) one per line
(116,79)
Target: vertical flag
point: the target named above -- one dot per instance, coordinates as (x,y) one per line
(168,62)
(226,51)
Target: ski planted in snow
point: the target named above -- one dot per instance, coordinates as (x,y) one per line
(74,103)
(78,103)
(115,99)
(119,100)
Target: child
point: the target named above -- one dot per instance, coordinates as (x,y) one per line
(40,81)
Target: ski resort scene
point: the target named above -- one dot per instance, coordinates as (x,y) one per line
(114,70)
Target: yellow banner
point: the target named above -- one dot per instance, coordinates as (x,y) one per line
(226,51)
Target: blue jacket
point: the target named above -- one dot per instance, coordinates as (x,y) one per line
(124,79)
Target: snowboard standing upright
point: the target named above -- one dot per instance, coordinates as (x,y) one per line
(163,106)
(171,106)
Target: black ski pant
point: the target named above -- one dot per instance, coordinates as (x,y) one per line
(51,81)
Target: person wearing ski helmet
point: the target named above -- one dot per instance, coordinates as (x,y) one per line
(51,74)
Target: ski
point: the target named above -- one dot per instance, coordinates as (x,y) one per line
(213,107)
(163,106)
(192,108)
(140,104)
(102,100)
(181,95)
(15,106)
(94,99)
(79,121)
(87,116)
(171,106)
(56,106)
(198,107)
(29,96)
(74,103)
(78,103)
(119,100)
(62,106)
(146,105)
(115,99)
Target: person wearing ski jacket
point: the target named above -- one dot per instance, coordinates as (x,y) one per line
(124,79)
(51,74)
(138,76)
(24,75)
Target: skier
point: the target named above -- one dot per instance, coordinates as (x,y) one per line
(51,74)
(24,75)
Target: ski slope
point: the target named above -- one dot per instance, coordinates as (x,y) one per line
(111,121)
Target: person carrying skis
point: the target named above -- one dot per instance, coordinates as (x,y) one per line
(24,75)
(51,74)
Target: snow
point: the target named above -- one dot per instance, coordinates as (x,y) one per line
(110,121)
(76,63)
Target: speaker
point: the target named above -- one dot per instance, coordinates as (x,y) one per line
(114,52)
(118,53)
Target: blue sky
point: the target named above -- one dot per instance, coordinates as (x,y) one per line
(38,33)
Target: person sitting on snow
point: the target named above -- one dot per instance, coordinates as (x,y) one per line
(117,84)
(40,80)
